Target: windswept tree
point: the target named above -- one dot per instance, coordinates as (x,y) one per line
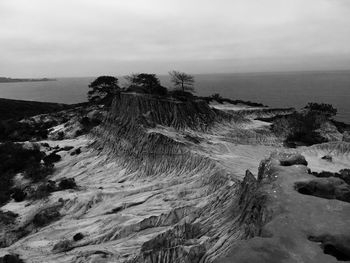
(182,81)
(145,83)
(103,89)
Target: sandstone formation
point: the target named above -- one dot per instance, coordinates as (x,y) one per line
(167,181)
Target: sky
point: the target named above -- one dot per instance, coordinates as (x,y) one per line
(66,38)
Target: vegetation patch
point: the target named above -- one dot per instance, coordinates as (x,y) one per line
(301,128)
(14,159)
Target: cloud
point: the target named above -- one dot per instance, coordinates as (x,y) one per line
(88,36)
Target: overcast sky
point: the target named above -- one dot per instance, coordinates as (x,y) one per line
(91,37)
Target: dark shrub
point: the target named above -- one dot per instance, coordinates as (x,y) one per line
(85,121)
(299,128)
(322,108)
(43,190)
(15,159)
(345,175)
(18,194)
(60,135)
(11,258)
(46,216)
(38,171)
(67,183)
(160,91)
(76,151)
(180,95)
(45,144)
(11,130)
(136,89)
(52,158)
(293,160)
(145,83)
(79,132)
(217,97)
(103,89)
(7,217)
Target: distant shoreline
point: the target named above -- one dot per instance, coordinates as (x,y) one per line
(11,80)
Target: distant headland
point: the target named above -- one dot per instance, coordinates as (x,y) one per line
(7,80)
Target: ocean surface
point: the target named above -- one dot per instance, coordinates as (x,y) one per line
(287,89)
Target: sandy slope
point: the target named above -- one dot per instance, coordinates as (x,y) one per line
(118,212)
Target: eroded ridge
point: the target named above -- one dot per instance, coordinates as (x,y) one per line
(166,181)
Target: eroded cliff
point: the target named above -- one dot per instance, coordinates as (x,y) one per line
(160,181)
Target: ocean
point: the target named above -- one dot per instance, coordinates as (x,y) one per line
(287,89)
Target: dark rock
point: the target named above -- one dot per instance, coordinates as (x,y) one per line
(293,160)
(78,236)
(327,158)
(67,183)
(18,194)
(11,258)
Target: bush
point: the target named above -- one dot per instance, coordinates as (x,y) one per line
(299,128)
(67,183)
(76,152)
(43,190)
(8,217)
(11,130)
(322,108)
(14,158)
(217,97)
(18,194)
(180,95)
(11,258)
(52,158)
(146,84)
(38,171)
(46,216)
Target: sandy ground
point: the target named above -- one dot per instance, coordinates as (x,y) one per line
(233,107)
